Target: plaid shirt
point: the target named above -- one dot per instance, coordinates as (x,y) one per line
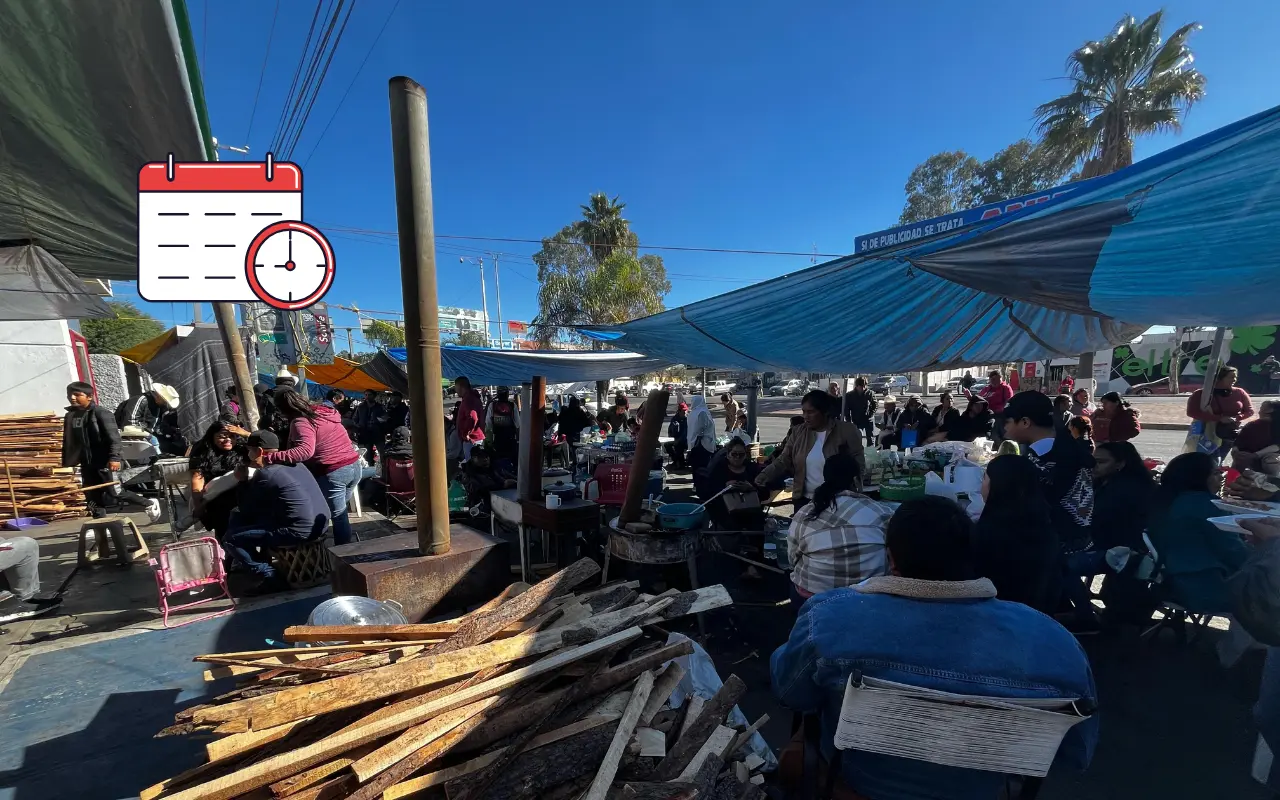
(842,546)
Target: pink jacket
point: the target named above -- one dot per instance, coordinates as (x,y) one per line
(470,412)
(321,444)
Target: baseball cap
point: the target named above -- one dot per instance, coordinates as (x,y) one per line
(266,440)
(1032,405)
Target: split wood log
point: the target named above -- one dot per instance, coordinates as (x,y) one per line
(331,789)
(515,720)
(682,752)
(691,713)
(626,726)
(220,749)
(646,790)
(514,590)
(279,767)
(439,778)
(663,686)
(717,744)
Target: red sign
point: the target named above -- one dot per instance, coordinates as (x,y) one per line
(1029,369)
(517,327)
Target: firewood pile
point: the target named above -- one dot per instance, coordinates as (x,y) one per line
(540,693)
(32,446)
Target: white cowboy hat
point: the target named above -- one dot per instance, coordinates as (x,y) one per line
(167,394)
(285,374)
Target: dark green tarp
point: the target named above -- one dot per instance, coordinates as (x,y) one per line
(90,90)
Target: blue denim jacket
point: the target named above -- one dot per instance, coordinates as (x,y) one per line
(960,640)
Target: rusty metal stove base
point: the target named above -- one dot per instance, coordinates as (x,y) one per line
(474,571)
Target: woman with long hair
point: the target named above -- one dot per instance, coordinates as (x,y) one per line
(1258,438)
(1195,557)
(1080,403)
(1229,407)
(318,440)
(1115,420)
(219,452)
(1123,491)
(1014,541)
(974,423)
(837,539)
(808,448)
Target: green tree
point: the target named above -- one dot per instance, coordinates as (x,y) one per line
(1131,83)
(1021,168)
(943,184)
(583,284)
(602,228)
(384,333)
(127,326)
(468,339)
(359,358)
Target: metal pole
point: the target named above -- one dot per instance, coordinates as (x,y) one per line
(497,290)
(350,347)
(753,396)
(411,154)
(225,313)
(484,304)
(197,312)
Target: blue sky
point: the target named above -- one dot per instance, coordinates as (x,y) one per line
(753,125)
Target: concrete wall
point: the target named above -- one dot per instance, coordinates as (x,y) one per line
(36,364)
(109,379)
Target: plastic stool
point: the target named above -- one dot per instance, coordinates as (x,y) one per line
(109,534)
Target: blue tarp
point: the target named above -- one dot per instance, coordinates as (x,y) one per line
(511,367)
(1183,238)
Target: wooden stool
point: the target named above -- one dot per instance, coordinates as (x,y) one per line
(303,565)
(109,534)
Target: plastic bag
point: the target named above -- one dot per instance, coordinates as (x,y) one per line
(701,678)
(1202,437)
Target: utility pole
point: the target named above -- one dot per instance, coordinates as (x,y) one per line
(225,314)
(350,348)
(497,290)
(197,313)
(484,303)
(411,156)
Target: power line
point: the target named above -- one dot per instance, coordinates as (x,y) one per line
(297,73)
(360,69)
(319,83)
(263,72)
(678,248)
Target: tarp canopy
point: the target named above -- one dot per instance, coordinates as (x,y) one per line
(143,352)
(341,374)
(89,92)
(195,364)
(510,367)
(1182,238)
(35,285)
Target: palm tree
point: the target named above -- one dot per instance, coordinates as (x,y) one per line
(603,228)
(1131,83)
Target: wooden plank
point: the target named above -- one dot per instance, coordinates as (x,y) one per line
(653,743)
(440,777)
(648,790)
(331,789)
(315,775)
(279,767)
(514,590)
(613,756)
(686,747)
(696,704)
(513,721)
(303,653)
(662,689)
(228,746)
(533,773)
(717,744)
(373,684)
(746,735)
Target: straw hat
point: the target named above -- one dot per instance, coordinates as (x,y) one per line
(167,394)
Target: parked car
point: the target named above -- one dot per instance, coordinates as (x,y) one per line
(890,384)
(1154,387)
(720,387)
(792,388)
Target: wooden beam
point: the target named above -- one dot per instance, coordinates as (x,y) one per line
(686,747)
(515,720)
(279,767)
(315,775)
(630,717)
(440,777)
(663,686)
(717,744)
(220,749)
(746,735)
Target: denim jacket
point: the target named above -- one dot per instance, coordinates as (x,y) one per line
(950,636)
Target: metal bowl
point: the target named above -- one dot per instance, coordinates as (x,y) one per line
(357,610)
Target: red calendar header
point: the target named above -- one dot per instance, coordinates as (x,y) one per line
(227,176)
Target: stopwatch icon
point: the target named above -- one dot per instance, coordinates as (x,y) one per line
(289,265)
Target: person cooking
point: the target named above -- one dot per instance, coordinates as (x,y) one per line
(807,451)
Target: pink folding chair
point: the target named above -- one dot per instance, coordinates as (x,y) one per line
(188,565)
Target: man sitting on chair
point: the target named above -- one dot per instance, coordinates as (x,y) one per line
(931,623)
(280,505)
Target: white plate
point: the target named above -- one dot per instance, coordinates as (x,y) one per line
(1231,506)
(1230,524)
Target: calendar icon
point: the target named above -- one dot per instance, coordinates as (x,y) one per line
(228,232)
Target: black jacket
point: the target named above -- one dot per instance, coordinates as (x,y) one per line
(90,437)
(140,411)
(1121,505)
(1066,473)
(859,406)
(284,498)
(678,429)
(1020,555)
(965,428)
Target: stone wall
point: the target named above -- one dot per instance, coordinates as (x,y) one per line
(109,379)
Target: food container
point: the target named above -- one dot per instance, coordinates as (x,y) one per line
(899,490)
(681,516)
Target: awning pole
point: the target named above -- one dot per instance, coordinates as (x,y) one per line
(225,313)
(411,156)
